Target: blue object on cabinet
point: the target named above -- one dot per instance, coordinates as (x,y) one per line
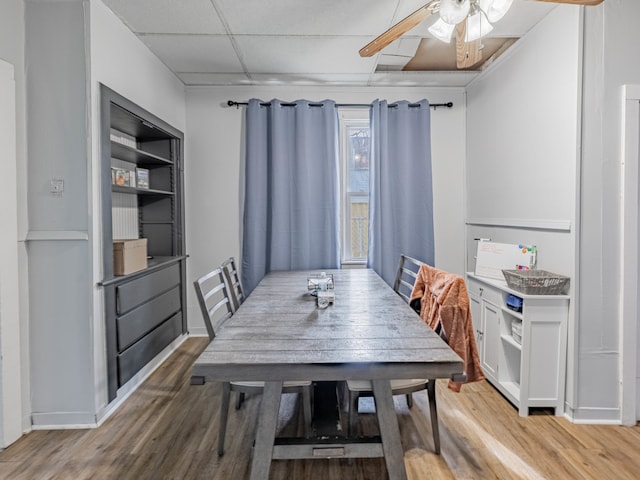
(514,303)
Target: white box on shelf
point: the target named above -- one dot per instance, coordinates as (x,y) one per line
(516,330)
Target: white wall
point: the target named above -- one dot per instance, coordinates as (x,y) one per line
(523,129)
(12,51)
(72,46)
(522,144)
(213,162)
(57,247)
(630,269)
(10,383)
(124,64)
(611,37)
(610,32)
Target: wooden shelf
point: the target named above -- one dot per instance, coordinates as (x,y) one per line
(139,157)
(156,222)
(139,191)
(511,389)
(513,313)
(511,341)
(144,310)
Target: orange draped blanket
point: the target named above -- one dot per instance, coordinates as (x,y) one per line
(444,302)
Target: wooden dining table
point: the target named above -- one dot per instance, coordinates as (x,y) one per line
(368,333)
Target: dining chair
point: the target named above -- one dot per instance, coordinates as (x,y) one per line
(233,280)
(406,276)
(403,286)
(236,292)
(217,307)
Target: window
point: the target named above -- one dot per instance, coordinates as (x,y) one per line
(354,158)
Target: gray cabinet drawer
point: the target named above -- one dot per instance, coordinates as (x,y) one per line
(142,352)
(136,292)
(146,317)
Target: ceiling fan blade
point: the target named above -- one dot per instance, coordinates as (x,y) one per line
(467,53)
(589,3)
(399,29)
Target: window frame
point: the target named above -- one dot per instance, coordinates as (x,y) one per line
(349,117)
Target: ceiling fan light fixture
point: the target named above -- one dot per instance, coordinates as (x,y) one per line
(495,9)
(442,30)
(477,26)
(454,11)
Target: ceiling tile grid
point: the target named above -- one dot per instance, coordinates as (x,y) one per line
(239,42)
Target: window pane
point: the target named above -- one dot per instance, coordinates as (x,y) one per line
(358,159)
(355,158)
(359,227)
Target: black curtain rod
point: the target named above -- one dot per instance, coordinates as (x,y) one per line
(233,103)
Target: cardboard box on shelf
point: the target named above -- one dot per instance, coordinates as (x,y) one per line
(129,256)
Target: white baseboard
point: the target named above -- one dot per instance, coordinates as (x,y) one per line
(594,416)
(198,332)
(86,420)
(132,385)
(63,421)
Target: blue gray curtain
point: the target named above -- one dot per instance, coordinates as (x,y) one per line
(400,198)
(291,207)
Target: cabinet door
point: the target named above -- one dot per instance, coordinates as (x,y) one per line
(476,319)
(491,342)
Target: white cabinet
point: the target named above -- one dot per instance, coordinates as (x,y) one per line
(489,354)
(475,304)
(527,367)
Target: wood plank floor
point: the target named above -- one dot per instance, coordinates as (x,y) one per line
(168,430)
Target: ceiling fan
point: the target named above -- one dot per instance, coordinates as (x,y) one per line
(471,20)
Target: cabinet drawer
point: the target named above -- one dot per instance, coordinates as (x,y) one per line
(484,291)
(146,317)
(142,352)
(136,292)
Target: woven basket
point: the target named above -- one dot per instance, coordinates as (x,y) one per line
(536,282)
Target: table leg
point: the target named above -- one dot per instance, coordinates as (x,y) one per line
(389,430)
(266,434)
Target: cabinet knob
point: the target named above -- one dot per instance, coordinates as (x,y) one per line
(481,290)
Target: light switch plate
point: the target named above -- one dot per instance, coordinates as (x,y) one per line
(56,186)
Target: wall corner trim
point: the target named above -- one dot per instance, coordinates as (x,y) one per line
(534,224)
(54,235)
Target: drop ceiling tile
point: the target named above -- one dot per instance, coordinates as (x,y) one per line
(422,79)
(339,79)
(407,7)
(224,79)
(308,17)
(521,17)
(168,16)
(397,61)
(295,41)
(195,53)
(403,47)
(303,54)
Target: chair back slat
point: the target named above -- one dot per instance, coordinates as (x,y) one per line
(233,279)
(214,300)
(406,276)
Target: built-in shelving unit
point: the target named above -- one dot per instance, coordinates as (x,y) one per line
(144,311)
(527,368)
